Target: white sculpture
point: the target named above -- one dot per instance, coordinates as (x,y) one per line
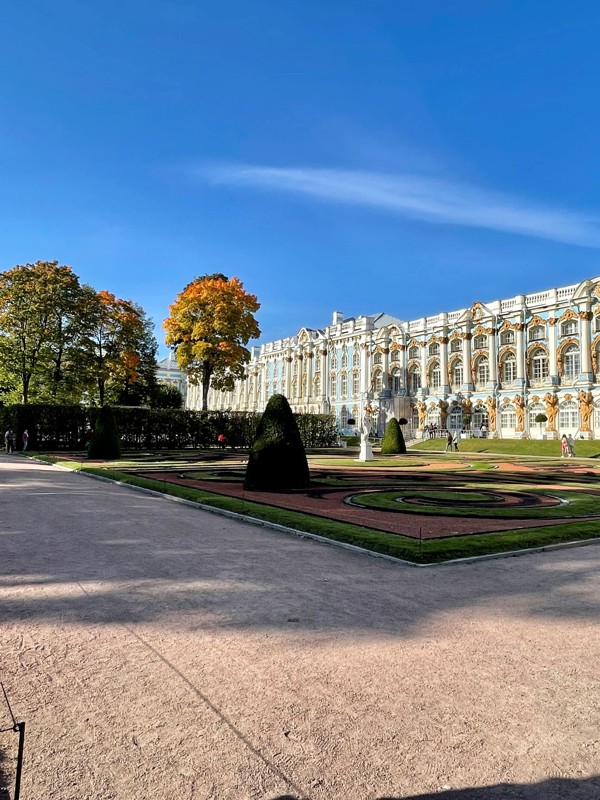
(366,448)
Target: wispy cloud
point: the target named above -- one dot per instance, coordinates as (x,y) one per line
(417,197)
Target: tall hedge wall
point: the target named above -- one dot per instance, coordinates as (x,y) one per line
(52,427)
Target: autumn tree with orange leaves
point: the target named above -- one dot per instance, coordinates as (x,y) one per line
(212,321)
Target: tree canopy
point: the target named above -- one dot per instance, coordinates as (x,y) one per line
(210,324)
(61,341)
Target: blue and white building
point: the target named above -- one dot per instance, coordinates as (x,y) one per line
(499,364)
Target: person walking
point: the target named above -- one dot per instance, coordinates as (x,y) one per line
(25,438)
(564,446)
(221,440)
(449,442)
(455,440)
(9,441)
(570,445)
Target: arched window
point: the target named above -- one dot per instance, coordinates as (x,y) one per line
(413,352)
(597,323)
(394,356)
(508,417)
(378,381)
(457,375)
(344,417)
(433,416)
(344,359)
(355,383)
(480,342)
(507,337)
(480,417)
(434,349)
(539,366)
(377,358)
(435,375)
(396,381)
(455,346)
(344,384)
(533,410)
(569,328)
(333,384)
(536,333)
(571,362)
(334,361)
(455,418)
(568,416)
(509,369)
(482,371)
(414,379)
(355,358)
(317,383)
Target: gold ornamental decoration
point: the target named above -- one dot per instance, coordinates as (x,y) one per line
(586,409)
(551,401)
(519,404)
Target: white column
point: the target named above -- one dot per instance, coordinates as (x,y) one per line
(493,358)
(385,362)
(424,381)
(445,378)
(585,339)
(552,365)
(365,364)
(466,352)
(288,374)
(520,338)
(324,371)
(309,359)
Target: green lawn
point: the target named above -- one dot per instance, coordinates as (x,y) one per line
(517,447)
(579,504)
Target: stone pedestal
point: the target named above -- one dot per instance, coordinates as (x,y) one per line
(366,451)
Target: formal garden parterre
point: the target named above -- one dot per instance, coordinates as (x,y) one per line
(422,507)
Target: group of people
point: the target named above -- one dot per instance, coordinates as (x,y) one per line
(567,446)
(430,431)
(9,440)
(451,439)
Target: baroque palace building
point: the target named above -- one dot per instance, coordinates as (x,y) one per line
(498,364)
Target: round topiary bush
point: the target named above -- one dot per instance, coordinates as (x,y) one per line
(105,442)
(393,440)
(277,461)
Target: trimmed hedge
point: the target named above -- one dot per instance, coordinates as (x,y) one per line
(105,441)
(64,427)
(277,460)
(393,440)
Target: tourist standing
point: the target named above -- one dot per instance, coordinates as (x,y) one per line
(455,440)
(9,441)
(449,442)
(564,446)
(426,432)
(25,439)
(570,445)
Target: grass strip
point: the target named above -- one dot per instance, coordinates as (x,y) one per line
(432,551)
(516,447)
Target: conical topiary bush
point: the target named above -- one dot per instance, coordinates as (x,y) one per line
(393,440)
(277,461)
(105,441)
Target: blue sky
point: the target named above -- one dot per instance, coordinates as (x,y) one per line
(381,156)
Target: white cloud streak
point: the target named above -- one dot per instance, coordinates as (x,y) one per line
(417,197)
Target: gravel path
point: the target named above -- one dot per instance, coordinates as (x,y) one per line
(156,651)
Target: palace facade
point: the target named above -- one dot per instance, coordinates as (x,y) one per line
(499,364)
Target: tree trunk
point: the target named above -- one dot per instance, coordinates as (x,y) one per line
(25,378)
(101,390)
(206,375)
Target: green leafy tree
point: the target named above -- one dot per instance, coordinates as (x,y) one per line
(37,303)
(393,439)
(277,461)
(164,396)
(211,322)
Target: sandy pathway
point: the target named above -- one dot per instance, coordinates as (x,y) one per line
(156,651)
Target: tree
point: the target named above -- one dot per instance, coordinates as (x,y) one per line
(393,440)
(277,461)
(37,309)
(211,322)
(119,345)
(105,441)
(164,396)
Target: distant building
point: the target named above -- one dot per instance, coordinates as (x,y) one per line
(169,373)
(497,364)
